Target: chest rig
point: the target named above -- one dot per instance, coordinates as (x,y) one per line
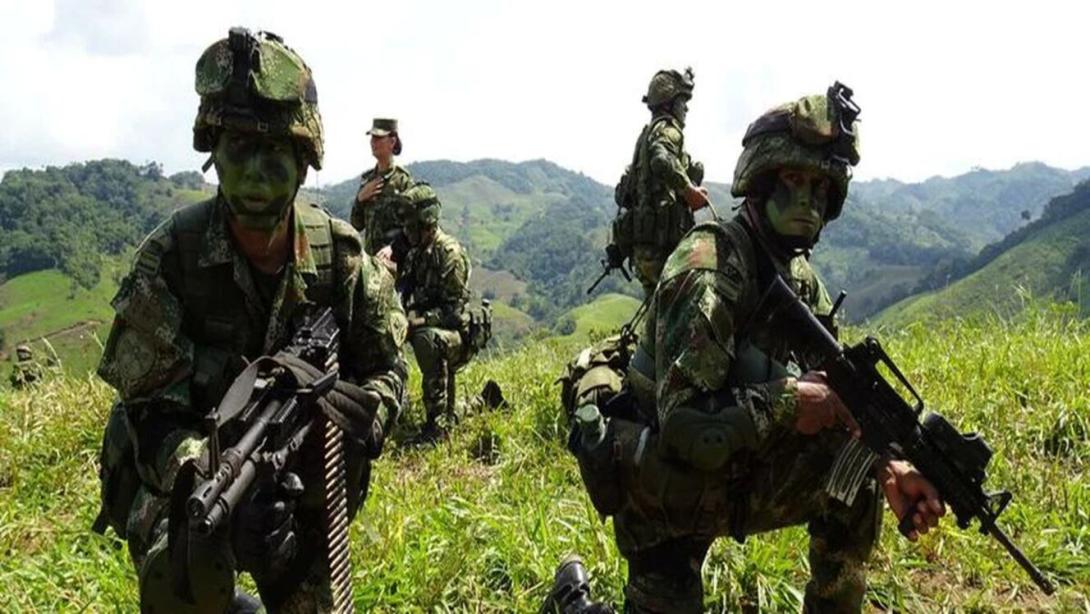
(226,323)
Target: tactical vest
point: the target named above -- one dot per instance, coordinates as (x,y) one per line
(215,311)
(208,296)
(660,219)
(617,376)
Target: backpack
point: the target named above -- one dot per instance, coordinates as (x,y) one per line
(626,196)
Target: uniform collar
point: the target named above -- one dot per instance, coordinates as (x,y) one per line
(219,248)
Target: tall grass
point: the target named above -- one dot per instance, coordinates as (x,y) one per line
(478,523)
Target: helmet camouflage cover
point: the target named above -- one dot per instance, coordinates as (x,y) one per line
(255,83)
(667,85)
(421,205)
(818,132)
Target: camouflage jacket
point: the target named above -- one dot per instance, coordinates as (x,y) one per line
(704,308)
(380,219)
(191,313)
(434,282)
(663,164)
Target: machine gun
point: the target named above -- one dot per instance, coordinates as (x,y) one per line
(953,462)
(613,260)
(268,416)
(271,417)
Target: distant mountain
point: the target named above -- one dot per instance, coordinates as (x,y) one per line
(893,239)
(1049,258)
(537,221)
(896,239)
(534,230)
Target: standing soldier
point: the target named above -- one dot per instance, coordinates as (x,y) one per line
(745,438)
(375,212)
(661,188)
(434,284)
(220,284)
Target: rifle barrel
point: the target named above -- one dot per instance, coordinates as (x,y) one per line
(1034,573)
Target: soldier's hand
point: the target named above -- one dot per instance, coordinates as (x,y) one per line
(385,256)
(354,409)
(908,492)
(696,198)
(370,189)
(818,407)
(263,529)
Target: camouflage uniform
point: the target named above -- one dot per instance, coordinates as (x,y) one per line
(380,219)
(26,370)
(663,172)
(716,379)
(435,284)
(191,314)
(695,328)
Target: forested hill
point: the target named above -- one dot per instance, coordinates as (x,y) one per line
(536,221)
(1048,258)
(534,230)
(69,217)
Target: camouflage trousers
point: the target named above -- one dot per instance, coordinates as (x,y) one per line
(647,263)
(439,354)
(666,537)
(306,591)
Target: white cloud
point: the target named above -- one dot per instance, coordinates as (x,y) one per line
(943,87)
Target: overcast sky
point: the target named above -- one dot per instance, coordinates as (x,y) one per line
(944,86)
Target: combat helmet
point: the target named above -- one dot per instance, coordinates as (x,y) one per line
(23,352)
(667,85)
(253,82)
(819,132)
(421,205)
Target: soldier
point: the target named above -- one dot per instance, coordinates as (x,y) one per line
(26,370)
(434,283)
(667,180)
(219,284)
(745,437)
(375,213)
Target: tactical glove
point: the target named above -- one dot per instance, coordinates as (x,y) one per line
(263,529)
(349,406)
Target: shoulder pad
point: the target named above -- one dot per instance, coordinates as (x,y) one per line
(711,246)
(151,250)
(345,235)
(448,243)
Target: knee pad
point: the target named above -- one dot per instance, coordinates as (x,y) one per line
(707,440)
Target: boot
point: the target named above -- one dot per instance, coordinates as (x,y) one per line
(571,591)
(492,395)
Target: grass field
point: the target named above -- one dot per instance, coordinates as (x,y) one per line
(478,524)
(44,303)
(602,315)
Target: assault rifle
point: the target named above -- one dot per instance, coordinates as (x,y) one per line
(953,462)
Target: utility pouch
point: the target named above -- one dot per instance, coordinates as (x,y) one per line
(603,447)
(624,231)
(119,480)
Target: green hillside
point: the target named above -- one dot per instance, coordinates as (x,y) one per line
(1047,259)
(51,305)
(478,524)
(604,315)
(70,217)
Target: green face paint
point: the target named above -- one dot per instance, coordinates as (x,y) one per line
(258,176)
(796,207)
